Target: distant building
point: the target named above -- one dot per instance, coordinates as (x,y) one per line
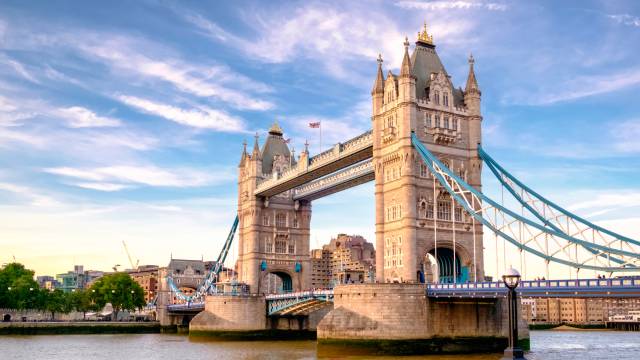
(78,278)
(147,277)
(576,311)
(47,282)
(320,268)
(346,259)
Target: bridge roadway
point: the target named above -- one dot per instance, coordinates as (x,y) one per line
(581,288)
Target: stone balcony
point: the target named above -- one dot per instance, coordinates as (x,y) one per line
(444,135)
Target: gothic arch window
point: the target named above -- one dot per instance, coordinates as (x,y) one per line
(292,248)
(437,121)
(265,220)
(444,209)
(437,97)
(424,171)
(423,208)
(446,122)
(458,214)
(281,245)
(295,222)
(446,99)
(427,120)
(429,214)
(281,220)
(455,123)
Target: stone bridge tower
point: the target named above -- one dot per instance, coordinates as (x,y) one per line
(415,220)
(273,232)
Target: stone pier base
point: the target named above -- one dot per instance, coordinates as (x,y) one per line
(226,315)
(400,319)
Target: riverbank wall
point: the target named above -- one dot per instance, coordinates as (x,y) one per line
(81,327)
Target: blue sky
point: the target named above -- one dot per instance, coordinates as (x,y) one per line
(126,122)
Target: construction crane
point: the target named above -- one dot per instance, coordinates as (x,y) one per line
(133,267)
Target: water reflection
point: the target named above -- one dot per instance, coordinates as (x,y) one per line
(560,345)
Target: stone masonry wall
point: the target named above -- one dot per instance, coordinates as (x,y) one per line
(231,313)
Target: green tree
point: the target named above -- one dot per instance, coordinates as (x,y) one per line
(18,290)
(81,301)
(56,302)
(120,290)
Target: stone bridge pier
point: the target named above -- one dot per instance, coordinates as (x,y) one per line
(400,318)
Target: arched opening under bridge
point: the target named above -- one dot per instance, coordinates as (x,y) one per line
(446,269)
(278,282)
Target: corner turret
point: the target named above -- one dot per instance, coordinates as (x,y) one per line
(377,94)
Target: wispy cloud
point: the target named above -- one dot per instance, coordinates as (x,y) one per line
(109,177)
(627,135)
(102,186)
(204,117)
(579,87)
(19,69)
(35,197)
(216,81)
(79,117)
(626,19)
(451,5)
(609,199)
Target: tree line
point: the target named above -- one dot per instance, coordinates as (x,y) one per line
(18,290)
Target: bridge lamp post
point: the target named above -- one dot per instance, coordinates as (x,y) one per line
(511,279)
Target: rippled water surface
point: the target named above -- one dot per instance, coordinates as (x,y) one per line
(574,345)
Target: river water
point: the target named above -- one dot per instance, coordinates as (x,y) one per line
(573,345)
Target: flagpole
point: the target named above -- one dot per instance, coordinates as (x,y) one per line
(320,136)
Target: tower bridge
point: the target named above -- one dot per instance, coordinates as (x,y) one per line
(424,155)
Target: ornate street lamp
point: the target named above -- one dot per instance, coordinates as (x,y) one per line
(511,279)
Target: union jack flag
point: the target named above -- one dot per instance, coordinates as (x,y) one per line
(286,141)
(314,125)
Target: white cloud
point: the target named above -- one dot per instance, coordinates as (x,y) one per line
(614,199)
(204,117)
(336,37)
(451,5)
(79,117)
(35,198)
(203,81)
(581,86)
(627,135)
(104,178)
(101,186)
(626,19)
(21,70)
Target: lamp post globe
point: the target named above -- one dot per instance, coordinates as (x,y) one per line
(511,279)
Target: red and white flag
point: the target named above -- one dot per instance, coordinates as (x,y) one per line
(286,141)
(314,125)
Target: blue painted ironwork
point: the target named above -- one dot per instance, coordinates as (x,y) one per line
(582,288)
(463,189)
(207,285)
(278,303)
(552,220)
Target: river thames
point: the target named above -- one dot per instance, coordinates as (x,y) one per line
(546,345)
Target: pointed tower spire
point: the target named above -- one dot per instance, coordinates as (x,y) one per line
(472,83)
(378,86)
(256,148)
(244,155)
(405,70)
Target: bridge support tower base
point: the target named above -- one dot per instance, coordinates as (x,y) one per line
(400,319)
